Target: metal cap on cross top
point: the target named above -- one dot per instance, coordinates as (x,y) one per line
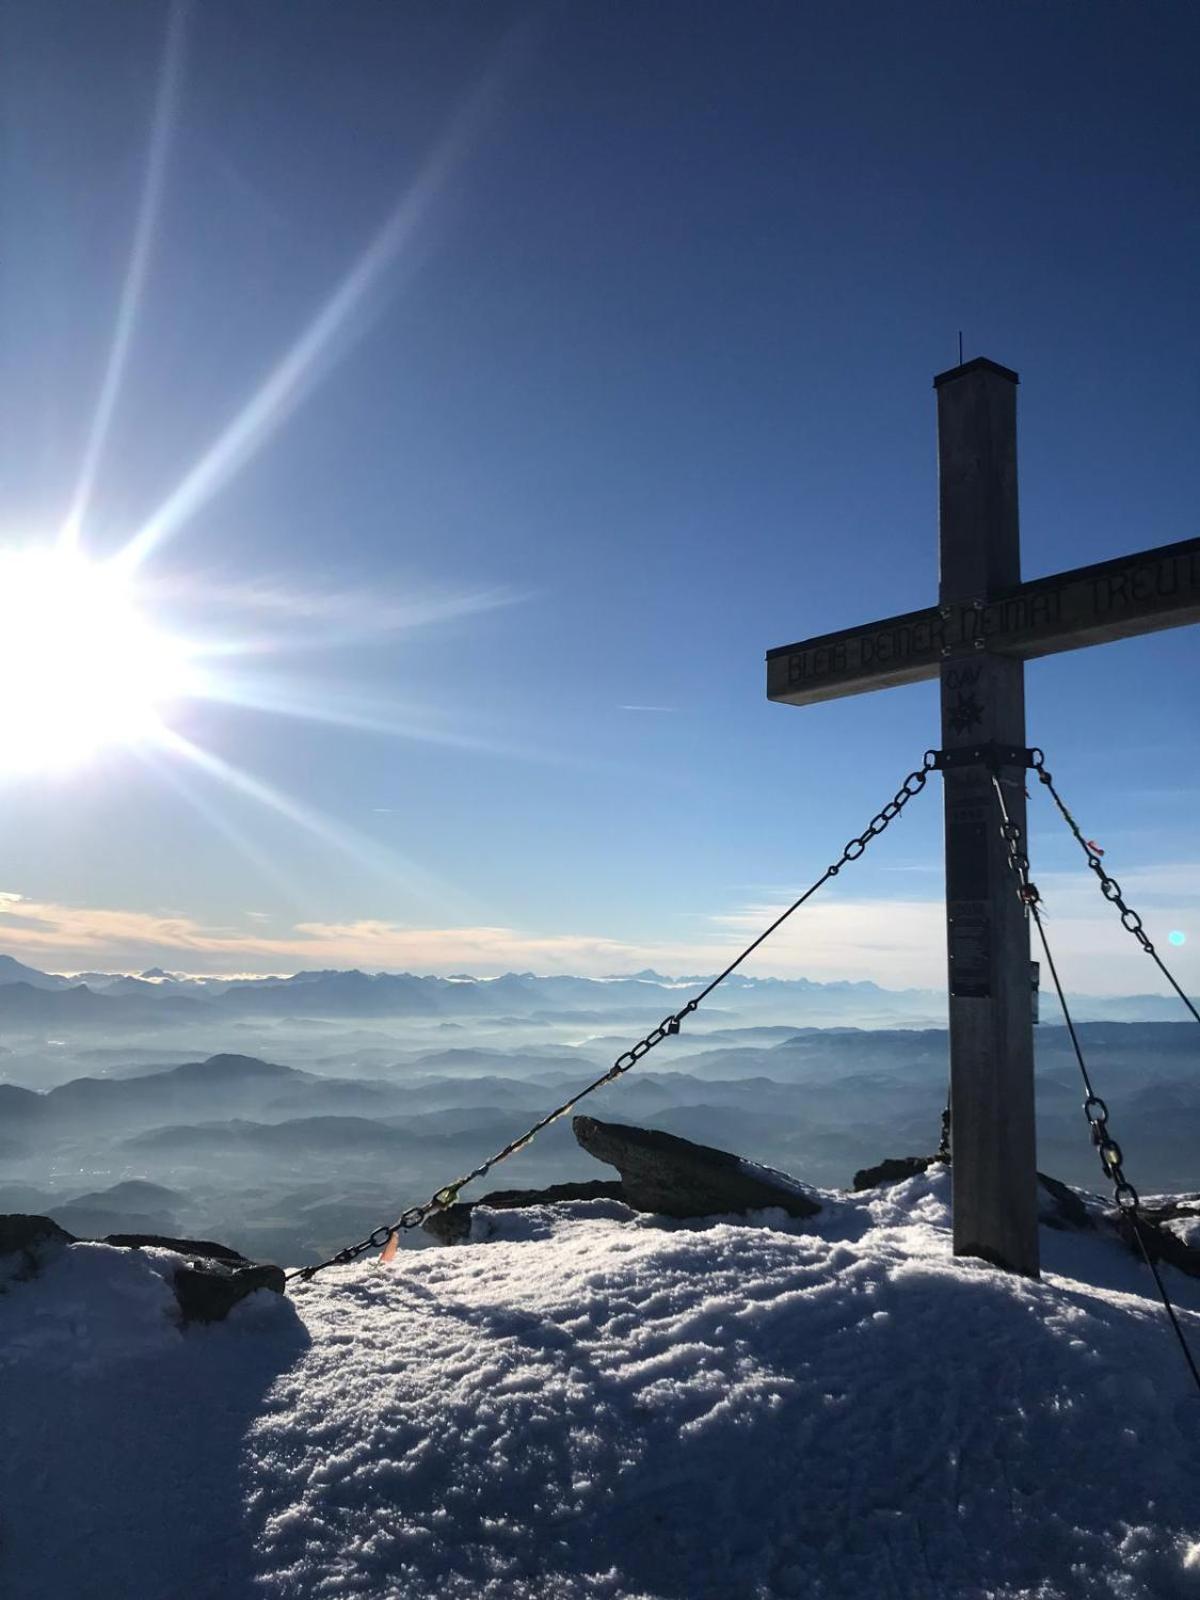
(976,364)
(986,624)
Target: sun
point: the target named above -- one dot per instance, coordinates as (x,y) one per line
(82,665)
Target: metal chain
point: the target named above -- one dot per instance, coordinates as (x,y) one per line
(945,1147)
(415,1215)
(1094,1108)
(1109,886)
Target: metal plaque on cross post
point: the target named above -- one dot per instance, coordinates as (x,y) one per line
(986,624)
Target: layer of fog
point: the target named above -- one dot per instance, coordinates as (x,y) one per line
(245,1119)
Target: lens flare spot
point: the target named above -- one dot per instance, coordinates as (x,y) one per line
(1176,937)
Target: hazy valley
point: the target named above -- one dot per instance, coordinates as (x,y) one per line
(289,1116)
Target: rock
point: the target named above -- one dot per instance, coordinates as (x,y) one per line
(894,1170)
(26,1242)
(213,1278)
(1182,1209)
(183,1247)
(207,1283)
(1162,1244)
(1060,1207)
(453,1225)
(663,1173)
(208,1289)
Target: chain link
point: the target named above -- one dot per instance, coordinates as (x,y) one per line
(1109,1151)
(945,1146)
(415,1215)
(1109,887)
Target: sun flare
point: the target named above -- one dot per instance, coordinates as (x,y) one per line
(82,665)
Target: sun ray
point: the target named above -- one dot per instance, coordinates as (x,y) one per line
(216,818)
(378,861)
(312,703)
(339,322)
(334,616)
(267,619)
(161,131)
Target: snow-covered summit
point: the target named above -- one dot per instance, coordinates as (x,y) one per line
(588,1404)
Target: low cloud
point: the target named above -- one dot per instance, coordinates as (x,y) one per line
(75,937)
(896,943)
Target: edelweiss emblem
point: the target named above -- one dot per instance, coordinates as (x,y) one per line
(965,714)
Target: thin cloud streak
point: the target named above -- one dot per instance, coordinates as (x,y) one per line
(82,936)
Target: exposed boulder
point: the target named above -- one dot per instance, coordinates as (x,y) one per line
(894,1170)
(1181,1213)
(1061,1207)
(663,1173)
(1158,1228)
(212,1278)
(185,1247)
(1058,1205)
(453,1225)
(208,1289)
(26,1242)
(209,1280)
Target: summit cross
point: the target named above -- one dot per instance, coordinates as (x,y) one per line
(985,626)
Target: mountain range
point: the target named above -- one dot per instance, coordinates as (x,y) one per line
(33,999)
(285,1114)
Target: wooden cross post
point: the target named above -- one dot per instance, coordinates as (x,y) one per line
(977,639)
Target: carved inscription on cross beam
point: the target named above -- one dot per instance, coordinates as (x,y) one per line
(1111,600)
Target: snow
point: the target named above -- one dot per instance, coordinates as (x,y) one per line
(586,1404)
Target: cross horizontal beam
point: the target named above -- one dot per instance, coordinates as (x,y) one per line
(1135,594)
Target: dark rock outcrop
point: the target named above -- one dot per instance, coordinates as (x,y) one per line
(1162,1243)
(208,1282)
(1060,1207)
(676,1178)
(453,1225)
(894,1170)
(183,1247)
(29,1241)
(208,1289)
(212,1278)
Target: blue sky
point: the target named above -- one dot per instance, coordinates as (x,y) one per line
(506,380)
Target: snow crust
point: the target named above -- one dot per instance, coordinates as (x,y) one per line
(585,1404)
